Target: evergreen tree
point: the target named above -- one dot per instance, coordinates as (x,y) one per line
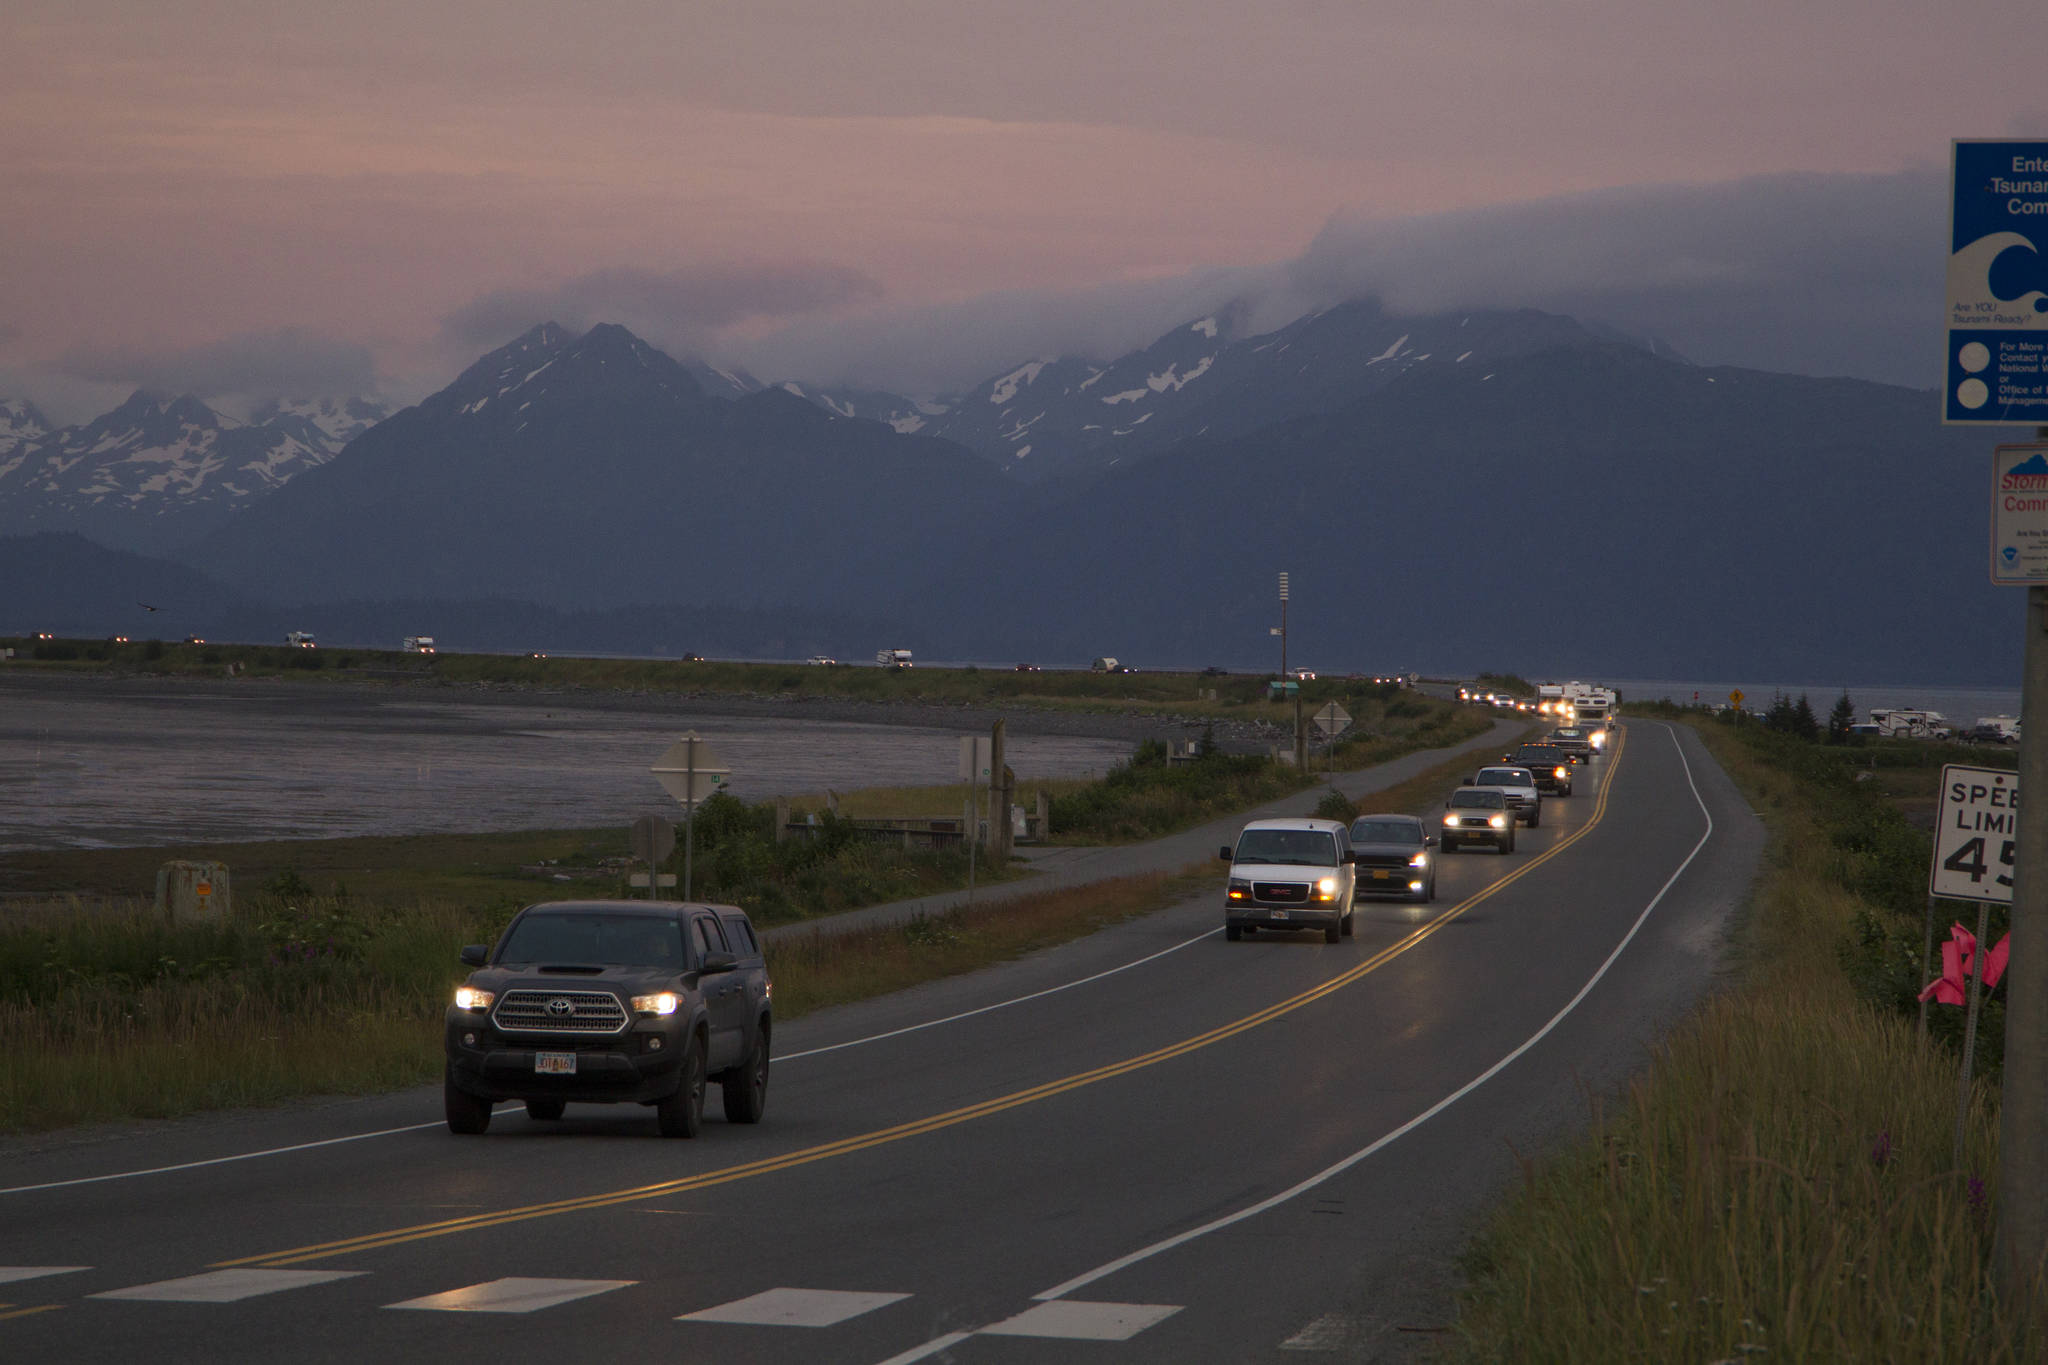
(1840,719)
(1804,723)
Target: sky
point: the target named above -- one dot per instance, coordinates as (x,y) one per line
(256,199)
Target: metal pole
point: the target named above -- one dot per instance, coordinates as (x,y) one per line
(1926,966)
(2021,1248)
(689,812)
(1970,1027)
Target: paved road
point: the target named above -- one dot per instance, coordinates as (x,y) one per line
(1146,1146)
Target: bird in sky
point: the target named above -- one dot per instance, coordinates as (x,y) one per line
(146,607)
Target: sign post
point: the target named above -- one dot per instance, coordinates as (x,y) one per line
(1976,844)
(977,765)
(1332,720)
(689,772)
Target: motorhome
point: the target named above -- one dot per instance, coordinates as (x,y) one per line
(893,658)
(302,639)
(1907,722)
(419,644)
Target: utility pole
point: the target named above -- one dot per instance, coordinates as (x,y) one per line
(1283,627)
(2021,1248)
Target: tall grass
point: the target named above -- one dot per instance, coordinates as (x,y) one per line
(1779,1185)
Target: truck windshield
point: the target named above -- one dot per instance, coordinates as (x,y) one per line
(606,940)
(1310,847)
(1386,832)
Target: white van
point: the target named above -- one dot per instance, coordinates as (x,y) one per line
(1296,873)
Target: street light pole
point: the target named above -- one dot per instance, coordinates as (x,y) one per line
(1283,627)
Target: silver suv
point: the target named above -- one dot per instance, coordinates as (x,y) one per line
(1519,785)
(1290,874)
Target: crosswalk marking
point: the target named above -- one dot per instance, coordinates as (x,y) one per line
(1082,1321)
(795,1308)
(225,1286)
(10,1273)
(514,1294)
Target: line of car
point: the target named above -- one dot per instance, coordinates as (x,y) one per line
(1304,873)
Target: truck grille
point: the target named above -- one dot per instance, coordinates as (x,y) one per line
(1474,822)
(530,1011)
(1384,859)
(1283,892)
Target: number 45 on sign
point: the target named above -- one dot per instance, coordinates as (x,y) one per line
(1974,834)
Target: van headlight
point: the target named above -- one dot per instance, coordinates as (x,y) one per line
(1239,889)
(1326,889)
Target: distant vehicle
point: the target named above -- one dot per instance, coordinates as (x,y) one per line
(195,639)
(893,658)
(1290,874)
(1392,853)
(1906,722)
(823,661)
(1478,815)
(301,639)
(419,644)
(1996,730)
(1519,784)
(1029,668)
(1107,664)
(611,1002)
(1573,740)
(1548,764)
(1303,675)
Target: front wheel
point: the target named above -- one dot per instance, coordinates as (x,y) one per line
(681,1115)
(1535,816)
(1333,931)
(466,1113)
(1347,923)
(746,1087)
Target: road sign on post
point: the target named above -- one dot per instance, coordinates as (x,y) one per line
(1976,834)
(1997,284)
(1735,699)
(690,772)
(2019,514)
(1332,720)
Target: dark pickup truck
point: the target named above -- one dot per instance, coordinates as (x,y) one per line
(611,1002)
(1551,766)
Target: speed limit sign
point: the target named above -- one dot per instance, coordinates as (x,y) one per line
(1975,833)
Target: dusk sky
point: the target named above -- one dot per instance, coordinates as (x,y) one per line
(273,197)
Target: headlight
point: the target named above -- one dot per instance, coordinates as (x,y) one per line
(1451,819)
(1419,860)
(1559,774)
(1599,739)
(1239,889)
(1497,821)
(663,1003)
(1326,889)
(470,998)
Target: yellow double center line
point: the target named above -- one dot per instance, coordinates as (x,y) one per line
(880,1137)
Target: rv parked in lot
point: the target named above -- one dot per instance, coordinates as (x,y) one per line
(1905,722)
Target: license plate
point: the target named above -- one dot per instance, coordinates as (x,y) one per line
(554,1063)
(1382,875)
(1278,914)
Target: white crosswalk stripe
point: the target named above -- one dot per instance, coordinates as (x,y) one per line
(795,1308)
(10,1273)
(515,1294)
(1082,1321)
(226,1286)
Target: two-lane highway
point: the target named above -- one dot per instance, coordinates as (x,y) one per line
(1153,1142)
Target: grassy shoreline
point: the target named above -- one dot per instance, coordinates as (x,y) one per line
(1780,1183)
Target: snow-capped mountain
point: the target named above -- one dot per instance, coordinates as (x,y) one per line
(336,420)
(158,469)
(1066,415)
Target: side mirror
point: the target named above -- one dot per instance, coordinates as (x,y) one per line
(475,954)
(715,963)
(1226,854)
(1429,841)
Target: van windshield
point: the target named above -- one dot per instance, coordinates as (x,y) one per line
(1308,847)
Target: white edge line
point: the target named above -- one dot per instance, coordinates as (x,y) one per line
(1145,1253)
(219,1160)
(999,1005)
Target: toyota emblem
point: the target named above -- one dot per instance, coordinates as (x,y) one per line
(561,1006)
